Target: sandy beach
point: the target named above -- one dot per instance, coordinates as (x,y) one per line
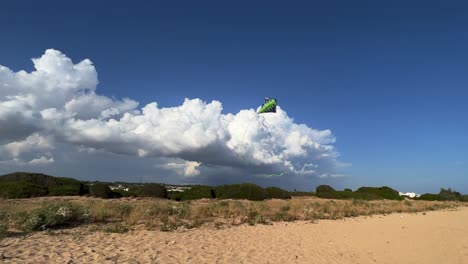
(431,237)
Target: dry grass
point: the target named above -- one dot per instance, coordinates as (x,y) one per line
(168,215)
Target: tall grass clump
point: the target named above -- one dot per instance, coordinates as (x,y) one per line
(3,232)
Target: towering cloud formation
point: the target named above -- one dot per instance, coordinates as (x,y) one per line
(58,104)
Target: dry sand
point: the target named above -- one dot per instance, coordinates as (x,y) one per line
(433,237)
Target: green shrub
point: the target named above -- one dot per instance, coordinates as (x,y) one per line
(24,184)
(241,191)
(198,192)
(101,190)
(326,191)
(450,195)
(443,195)
(123,193)
(428,197)
(116,228)
(348,190)
(324,188)
(277,193)
(152,190)
(53,215)
(21,189)
(383,192)
(177,196)
(363,193)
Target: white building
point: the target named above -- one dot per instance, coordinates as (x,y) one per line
(409,194)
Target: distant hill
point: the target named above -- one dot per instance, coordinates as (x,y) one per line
(25,184)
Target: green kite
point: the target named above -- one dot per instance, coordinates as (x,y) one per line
(269,106)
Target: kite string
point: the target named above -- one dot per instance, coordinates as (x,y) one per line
(245,152)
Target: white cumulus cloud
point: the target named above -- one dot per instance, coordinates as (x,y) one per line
(58,102)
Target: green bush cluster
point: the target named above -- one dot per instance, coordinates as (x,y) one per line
(52,215)
(444,195)
(326,191)
(152,190)
(277,193)
(119,228)
(123,193)
(198,192)
(363,193)
(384,192)
(25,185)
(101,190)
(21,189)
(241,191)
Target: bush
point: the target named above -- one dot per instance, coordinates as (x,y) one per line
(152,190)
(363,193)
(116,228)
(450,195)
(198,192)
(24,185)
(53,215)
(21,189)
(348,190)
(101,190)
(326,191)
(123,193)
(177,196)
(383,192)
(241,191)
(428,197)
(444,195)
(278,193)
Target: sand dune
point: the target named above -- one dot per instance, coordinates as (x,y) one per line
(432,237)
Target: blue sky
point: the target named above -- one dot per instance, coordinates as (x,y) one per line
(389,81)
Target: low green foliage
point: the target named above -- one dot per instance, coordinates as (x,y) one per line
(52,215)
(25,185)
(443,195)
(173,195)
(277,193)
(326,191)
(101,190)
(21,189)
(241,191)
(384,192)
(363,193)
(152,190)
(122,193)
(198,192)
(116,228)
